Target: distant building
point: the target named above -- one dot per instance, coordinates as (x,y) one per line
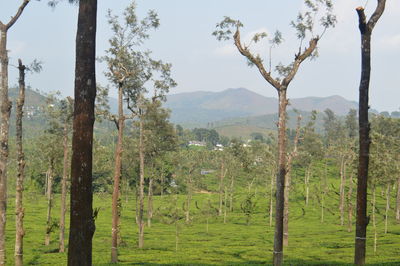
(197,143)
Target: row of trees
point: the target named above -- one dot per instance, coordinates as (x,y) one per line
(133,72)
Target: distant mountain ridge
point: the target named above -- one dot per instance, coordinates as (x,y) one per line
(201,107)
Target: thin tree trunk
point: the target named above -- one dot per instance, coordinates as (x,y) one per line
(19,209)
(364,128)
(49,224)
(398,201)
(82,224)
(225,198)
(5,109)
(280,179)
(117,178)
(387,206)
(231,192)
(64,188)
(188,197)
(141,183)
(221,187)
(374,216)
(307,184)
(150,202)
(350,205)
(137,205)
(342,189)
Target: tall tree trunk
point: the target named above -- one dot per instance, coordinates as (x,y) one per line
(324,191)
(117,179)
(64,187)
(221,187)
(150,202)
(141,183)
(82,224)
(280,179)
(19,209)
(387,206)
(398,201)
(49,222)
(364,128)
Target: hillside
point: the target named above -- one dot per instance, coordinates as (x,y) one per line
(201,108)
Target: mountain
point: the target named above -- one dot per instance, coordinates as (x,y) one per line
(194,109)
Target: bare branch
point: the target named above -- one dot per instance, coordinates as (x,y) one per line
(362,20)
(255,60)
(377,14)
(299,58)
(17,15)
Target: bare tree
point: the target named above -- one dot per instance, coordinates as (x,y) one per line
(5,108)
(364,128)
(305,26)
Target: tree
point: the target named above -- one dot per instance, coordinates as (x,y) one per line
(5,108)
(305,26)
(364,128)
(82,225)
(126,72)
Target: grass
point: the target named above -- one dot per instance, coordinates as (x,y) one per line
(233,243)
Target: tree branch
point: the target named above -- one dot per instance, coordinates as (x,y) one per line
(299,58)
(255,60)
(362,20)
(18,14)
(377,14)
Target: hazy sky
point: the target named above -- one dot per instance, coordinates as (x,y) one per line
(202,63)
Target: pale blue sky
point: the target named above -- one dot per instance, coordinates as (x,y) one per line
(202,63)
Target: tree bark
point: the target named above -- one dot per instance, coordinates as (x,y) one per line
(280,179)
(117,179)
(141,183)
(82,225)
(364,128)
(19,209)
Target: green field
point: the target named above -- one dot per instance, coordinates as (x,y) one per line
(233,243)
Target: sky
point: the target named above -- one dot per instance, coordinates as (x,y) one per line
(200,62)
